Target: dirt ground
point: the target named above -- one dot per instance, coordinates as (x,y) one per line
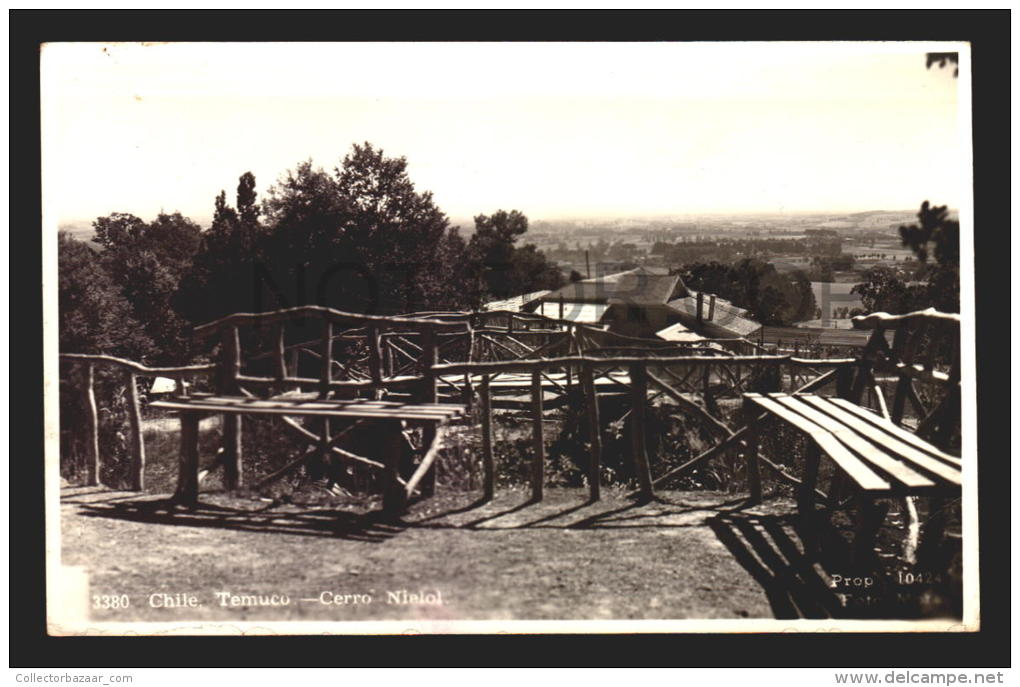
(508,559)
(685,555)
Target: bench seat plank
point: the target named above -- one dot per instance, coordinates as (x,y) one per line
(896,430)
(877,457)
(314,396)
(886,441)
(865,477)
(318,408)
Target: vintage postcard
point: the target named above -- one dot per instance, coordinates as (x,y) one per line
(383,338)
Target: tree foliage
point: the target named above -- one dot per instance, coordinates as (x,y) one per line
(93,315)
(503,269)
(362,237)
(147,262)
(220,278)
(772,297)
(359,238)
(935,240)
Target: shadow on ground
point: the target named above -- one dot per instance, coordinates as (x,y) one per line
(807,570)
(500,514)
(264,518)
(804,571)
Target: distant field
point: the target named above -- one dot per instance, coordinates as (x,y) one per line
(900,252)
(831,296)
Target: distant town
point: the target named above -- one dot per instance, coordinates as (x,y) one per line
(833,250)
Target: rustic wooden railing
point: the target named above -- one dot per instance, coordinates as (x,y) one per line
(412,355)
(641,370)
(131,371)
(917,354)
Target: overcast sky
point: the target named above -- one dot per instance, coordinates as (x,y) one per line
(550,129)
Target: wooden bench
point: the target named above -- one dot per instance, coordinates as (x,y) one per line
(873,456)
(280,395)
(874,453)
(389,415)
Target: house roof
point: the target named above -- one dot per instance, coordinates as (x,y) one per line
(723,308)
(588,313)
(678,332)
(633,287)
(727,319)
(515,304)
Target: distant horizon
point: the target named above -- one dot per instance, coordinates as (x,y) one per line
(205,222)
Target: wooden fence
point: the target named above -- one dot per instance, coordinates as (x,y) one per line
(466,355)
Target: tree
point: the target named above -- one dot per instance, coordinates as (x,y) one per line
(883,291)
(246,197)
(942,59)
(147,263)
(503,269)
(93,315)
(937,236)
(772,297)
(362,237)
(220,280)
(118,229)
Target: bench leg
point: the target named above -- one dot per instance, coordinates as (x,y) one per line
(232,451)
(934,532)
(811,534)
(428,482)
(806,497)
(394,496)
(187,477)
(870,515)
(837,490)
(753,466)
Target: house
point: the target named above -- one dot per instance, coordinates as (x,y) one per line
(643,302)
(633,302)
(714,317)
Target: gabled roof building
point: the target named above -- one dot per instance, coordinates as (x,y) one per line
(642,302)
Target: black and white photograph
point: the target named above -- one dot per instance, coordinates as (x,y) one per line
(382,338)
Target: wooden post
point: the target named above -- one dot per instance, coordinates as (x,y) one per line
(281,354)
(469,392)
(591,406)
(488,463)
(806,497)
(326,360)
(137,443)
(233,452)
(861,382)
(639,398)
(538,460)
(92,429)
(429,357)
(325,377)
(844,381)
(295,354)
(394,496)
(900,399)
(374,356)
(751,456)
(869,519)
(187,477)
